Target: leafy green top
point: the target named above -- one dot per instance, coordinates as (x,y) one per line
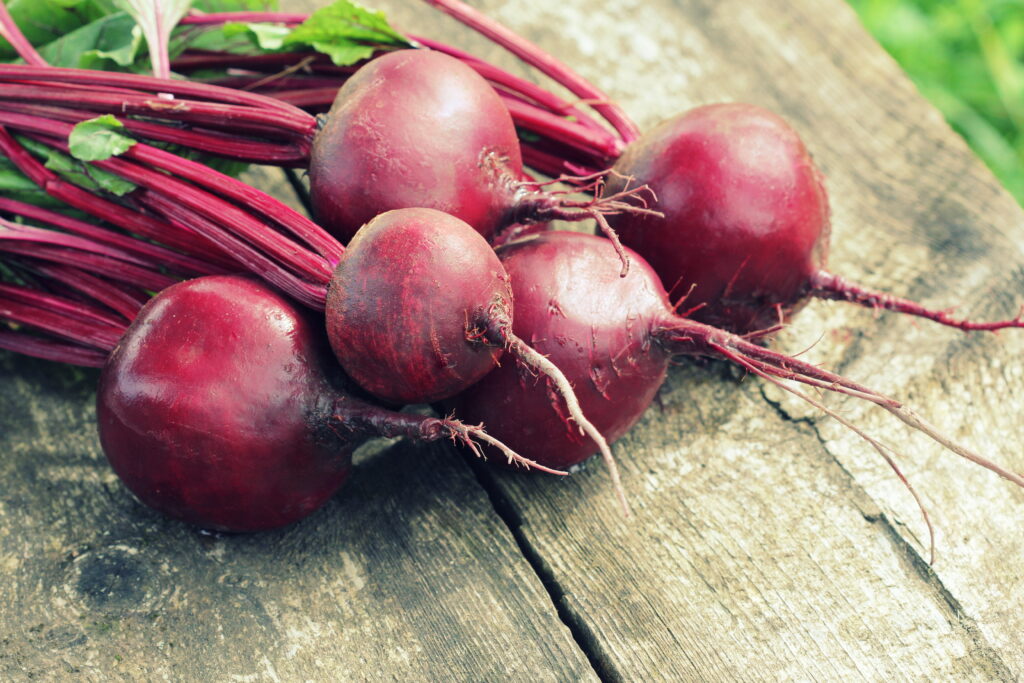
(99,139)
(346,32)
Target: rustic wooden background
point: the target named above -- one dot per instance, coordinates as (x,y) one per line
(768,543)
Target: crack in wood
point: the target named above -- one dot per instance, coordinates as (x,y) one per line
(587,641)
(872,513)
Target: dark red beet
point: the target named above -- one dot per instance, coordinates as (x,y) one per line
(414,128)
(614,336)
(210,408)
(745,231)
(746,219)
(410,303)
(419,308)
(602,342)
(220,407)
(417,128)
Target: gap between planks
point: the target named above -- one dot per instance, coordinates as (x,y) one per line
(956,616)
(585,639)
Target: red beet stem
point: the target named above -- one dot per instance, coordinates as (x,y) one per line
(121,216)
(326,246)
(52,350)
(200,211)
(275,84)
(202,202)
(329,250)
(199,18)
(120,299)
(567,132)
(252,259)
(17,232)
(52,245)
(318,99)
(10,32)
(553,163)
(93,263)
(229,117)
(296,118)
(212,142)
(17,306)
(263,63)
(76,310)
(826,285)
(234,219)
(547,64)
(151,253)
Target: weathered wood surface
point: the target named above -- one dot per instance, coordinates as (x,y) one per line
(767,543)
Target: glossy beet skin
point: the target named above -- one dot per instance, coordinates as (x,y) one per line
(210,408)
(746,217)
(574,307)
(415,128)
(411,302)
(613,337)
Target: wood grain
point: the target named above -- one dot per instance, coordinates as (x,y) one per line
(767,544)
(770,543)
(407,573)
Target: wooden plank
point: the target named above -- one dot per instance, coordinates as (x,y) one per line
(768,543)
(406,574)
(763,547)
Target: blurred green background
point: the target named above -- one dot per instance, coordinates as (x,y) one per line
(967,57)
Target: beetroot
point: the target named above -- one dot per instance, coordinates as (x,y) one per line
(418,128)
(419,308)
(220,407)
(410,305)
(614,336)
(746,220)
(214,406)
(745,231)
(414,129)
(594,325)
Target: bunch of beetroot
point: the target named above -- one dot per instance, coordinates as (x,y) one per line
(556,342)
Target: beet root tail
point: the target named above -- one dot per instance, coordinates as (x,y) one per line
(468,435)
(836,288)
(555,205)
(358,416)
(535,360)
(692,338)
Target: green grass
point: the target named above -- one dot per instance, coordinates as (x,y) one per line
(967,57)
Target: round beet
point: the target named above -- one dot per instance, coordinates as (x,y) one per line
(746,218)
(411,303)
(744,232)
(209,408)
(222,407)
(417,128)
(613,337)
(574,307)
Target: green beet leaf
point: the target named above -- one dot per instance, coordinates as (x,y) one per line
(346,32)
(83,174)
(99,138)
(113,42)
